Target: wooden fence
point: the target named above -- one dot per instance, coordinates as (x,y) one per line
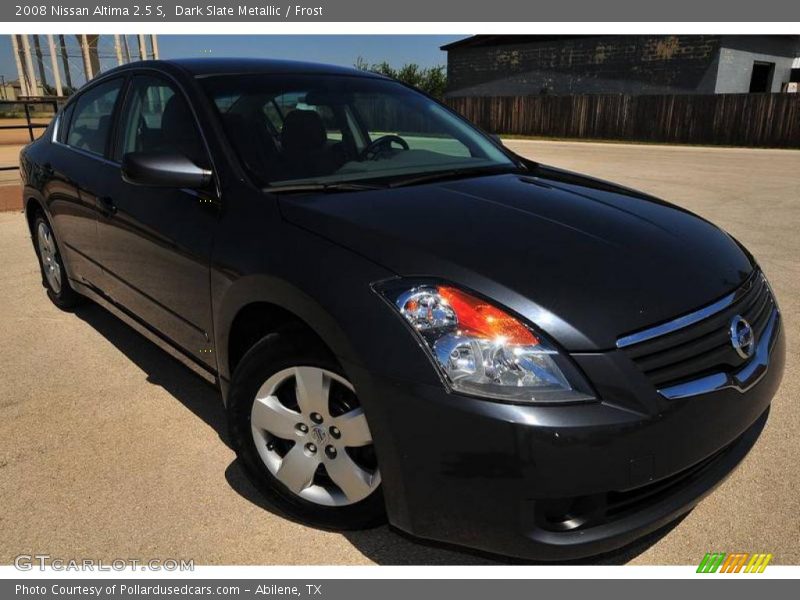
(767,120)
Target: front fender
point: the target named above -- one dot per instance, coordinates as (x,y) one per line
(329,288)
(255,289)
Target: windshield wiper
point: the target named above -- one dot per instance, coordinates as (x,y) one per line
(450,174)
(326,188)
(353,186)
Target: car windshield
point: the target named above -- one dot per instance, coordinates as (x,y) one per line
(332,129)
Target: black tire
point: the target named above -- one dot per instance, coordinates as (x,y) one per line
(273,353)
(63,296)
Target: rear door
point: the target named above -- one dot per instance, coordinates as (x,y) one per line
(80,174)
(155,243)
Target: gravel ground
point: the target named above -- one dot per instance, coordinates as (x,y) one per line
(110,449)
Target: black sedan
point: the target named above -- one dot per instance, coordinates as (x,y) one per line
(405,319)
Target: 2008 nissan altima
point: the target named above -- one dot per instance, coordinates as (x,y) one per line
(405,319)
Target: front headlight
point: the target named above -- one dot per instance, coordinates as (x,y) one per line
(482,350)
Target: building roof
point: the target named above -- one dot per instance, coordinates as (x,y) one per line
(478,41)
(475,41)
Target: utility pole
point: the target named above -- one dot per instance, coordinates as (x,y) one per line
(87,61)
(142,48)
(26,50)
(118,48)
(154,44)
(127,48)
(65,61)
(51,44)
(94,53)
(23,86)
(37,48)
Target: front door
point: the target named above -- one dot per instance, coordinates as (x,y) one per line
(156,242)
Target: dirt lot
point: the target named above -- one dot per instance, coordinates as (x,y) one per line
(21,137)
(12,141)
(109,449)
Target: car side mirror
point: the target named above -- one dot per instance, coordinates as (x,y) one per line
(163,169)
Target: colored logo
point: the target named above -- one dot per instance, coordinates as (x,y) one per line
(739,562)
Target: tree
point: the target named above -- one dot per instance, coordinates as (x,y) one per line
(50,90)
(431,80)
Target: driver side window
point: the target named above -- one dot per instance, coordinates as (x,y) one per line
(158,119)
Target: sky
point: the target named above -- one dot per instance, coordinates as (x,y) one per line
(335,49)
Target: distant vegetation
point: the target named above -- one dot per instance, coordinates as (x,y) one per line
(431,80)
(66,91)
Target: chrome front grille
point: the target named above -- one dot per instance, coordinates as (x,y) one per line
(697,347)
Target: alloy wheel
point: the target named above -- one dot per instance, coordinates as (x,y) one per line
(49,255)
(313,437)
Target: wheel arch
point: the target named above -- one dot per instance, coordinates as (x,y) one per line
(257,305)
(32,204)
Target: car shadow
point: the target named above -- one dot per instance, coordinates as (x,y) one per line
(383,545)
(161,369)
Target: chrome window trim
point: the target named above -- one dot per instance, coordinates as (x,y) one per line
(688,319)
(56,127)
(742,381)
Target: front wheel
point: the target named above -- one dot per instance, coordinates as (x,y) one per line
(302,435)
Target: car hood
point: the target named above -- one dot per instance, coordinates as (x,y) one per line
(584,260)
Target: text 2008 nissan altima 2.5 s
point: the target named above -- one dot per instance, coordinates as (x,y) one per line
(405,319)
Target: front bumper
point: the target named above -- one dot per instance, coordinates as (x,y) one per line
(558,482)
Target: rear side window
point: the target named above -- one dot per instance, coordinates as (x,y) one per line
(91,118)
(158,119)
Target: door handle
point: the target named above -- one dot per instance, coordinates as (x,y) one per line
(105,205)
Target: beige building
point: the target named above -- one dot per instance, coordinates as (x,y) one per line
(12,90)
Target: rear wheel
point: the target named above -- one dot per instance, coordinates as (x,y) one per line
(54,276)
(299,429)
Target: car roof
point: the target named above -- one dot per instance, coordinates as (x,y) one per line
(224,66)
